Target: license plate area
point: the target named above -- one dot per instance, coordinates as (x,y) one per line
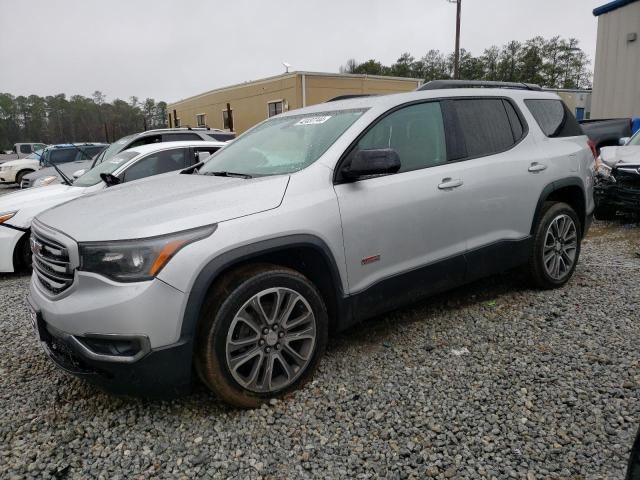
(35,319)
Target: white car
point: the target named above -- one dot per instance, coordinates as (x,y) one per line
(13,170)
(18,209)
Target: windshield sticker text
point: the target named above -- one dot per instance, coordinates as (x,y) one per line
(313,120)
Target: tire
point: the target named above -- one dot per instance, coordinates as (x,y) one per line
(547,244)
(605,213)
(20,175)
(235,369)
(22,254)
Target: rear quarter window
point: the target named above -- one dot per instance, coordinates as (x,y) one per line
(554,118)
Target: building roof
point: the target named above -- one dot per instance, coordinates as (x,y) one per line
(611,6)
(289,75)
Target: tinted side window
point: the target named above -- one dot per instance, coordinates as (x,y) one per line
(175,137)
(415,132)
(63,155)
(156,163)
(554,118)
(222,137)
(92,151)
(25,148)
(485,126)
(145,141)
(514,119)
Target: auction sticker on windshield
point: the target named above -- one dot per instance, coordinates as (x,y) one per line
(313,120)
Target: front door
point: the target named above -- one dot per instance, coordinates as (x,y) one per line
(403,233)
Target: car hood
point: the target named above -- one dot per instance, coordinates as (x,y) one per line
(67,168)
(32,201)
(612,156)
(164,204)
(18,162)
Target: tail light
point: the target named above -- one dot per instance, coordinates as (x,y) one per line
(592,146)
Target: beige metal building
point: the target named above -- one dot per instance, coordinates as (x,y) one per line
(252,102)
(616,79)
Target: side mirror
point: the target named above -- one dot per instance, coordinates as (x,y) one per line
(202,156)
(79,173)
(109,179)
(365,163)
(623,141)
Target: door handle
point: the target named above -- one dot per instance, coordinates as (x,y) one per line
(448,183)
(537,167)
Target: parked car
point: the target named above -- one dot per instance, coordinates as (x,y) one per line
(607,132)
(68,157)
(18,209)
(50,177)
(14,170)
(310,222)
(617,187)
(21,150)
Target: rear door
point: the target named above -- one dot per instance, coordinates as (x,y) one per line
(403,233)
(505,174)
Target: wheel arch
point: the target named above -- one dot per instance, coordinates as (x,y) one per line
(569,190)
(307,254)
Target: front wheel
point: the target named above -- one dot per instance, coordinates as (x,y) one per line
(261,335)
(556,246)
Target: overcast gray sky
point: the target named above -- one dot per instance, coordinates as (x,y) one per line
(171,49)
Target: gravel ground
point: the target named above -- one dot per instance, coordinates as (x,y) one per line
(490,381)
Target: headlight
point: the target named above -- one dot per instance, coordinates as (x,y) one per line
(137,260)
(4,216)
(42,181)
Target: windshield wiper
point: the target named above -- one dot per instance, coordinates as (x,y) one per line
(65,179)
(227,174)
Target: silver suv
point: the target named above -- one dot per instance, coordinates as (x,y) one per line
(310,222)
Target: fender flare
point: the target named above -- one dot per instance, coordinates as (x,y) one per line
(211,271)
(552,187)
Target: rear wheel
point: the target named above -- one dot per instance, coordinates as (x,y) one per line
(556,246)
(262,335)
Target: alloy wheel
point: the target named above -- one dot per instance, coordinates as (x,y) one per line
(560,247)
(271,340)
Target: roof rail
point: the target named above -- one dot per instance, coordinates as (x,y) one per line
(347,97)
(442,84)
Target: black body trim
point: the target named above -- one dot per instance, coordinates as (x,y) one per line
(211,271)
(409,287)
(552,187)
(443,84)
(13,227)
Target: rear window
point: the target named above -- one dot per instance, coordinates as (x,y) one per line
(222,136)
(554,118)
(485,125)
(64,155)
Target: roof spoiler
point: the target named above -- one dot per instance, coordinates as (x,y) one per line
(442,84)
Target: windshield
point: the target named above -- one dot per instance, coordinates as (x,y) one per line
(115,147)
(283,144)
(635,140)
(92,177)
(35,155)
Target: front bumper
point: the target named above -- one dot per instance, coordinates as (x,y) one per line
(98,309)
(9,238)
(160,373)
(622,194)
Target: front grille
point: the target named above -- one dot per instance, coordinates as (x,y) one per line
(51,263)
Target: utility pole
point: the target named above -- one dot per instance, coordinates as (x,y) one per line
(456,54)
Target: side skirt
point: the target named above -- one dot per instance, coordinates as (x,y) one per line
(410,287)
